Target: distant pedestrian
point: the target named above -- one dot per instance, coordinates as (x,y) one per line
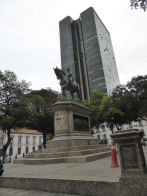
(6,159)
(1,168)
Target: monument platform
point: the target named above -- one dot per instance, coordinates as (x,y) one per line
(65,155)
(73,142)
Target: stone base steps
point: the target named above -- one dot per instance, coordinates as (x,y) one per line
(67,150)
(71,159)
(67,154)
(71,142)
(70,148)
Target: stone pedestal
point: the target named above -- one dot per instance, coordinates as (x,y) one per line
(133,165)
(71,119)
(71,125)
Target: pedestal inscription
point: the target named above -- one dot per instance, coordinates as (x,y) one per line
(61,121)
(81,123)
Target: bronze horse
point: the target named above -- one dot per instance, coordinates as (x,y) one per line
(67,83)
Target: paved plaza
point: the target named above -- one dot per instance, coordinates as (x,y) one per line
(96,171)
(99,170)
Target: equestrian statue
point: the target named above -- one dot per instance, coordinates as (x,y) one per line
(67,82)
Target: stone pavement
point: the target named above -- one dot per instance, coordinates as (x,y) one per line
(22,192)
(98,170)
(96,177)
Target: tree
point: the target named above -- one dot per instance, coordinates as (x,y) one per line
(10,91)
(110,113)
(41,114)
(139,4)
(127,102)
(95,101)
(120,108)
(138,87)
(48,95)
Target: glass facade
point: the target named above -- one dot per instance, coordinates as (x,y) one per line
(86,49)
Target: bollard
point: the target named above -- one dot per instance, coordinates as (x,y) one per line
(114,162)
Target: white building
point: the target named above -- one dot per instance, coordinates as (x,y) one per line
(103,133)
(24,141)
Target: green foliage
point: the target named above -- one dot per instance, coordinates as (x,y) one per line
(41,117)
(50,136)
(33,111)
(95,101)
(86,103)
(138,87)
(48,95)
(103,141)
(96,98)
(110,113)
(10,88)
(128,103)
(11,91)
(142,4)
(76,100)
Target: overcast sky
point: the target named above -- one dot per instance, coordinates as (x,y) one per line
(30,45)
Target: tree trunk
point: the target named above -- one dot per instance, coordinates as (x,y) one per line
(44,140)
(5,147)
(117,127)
(111,126)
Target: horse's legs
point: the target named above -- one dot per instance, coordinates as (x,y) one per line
(63,92)
(71,92)
(79,96)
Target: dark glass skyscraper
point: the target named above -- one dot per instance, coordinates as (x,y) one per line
(86,49)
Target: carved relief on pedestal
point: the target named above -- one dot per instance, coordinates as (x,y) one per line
(129,156)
